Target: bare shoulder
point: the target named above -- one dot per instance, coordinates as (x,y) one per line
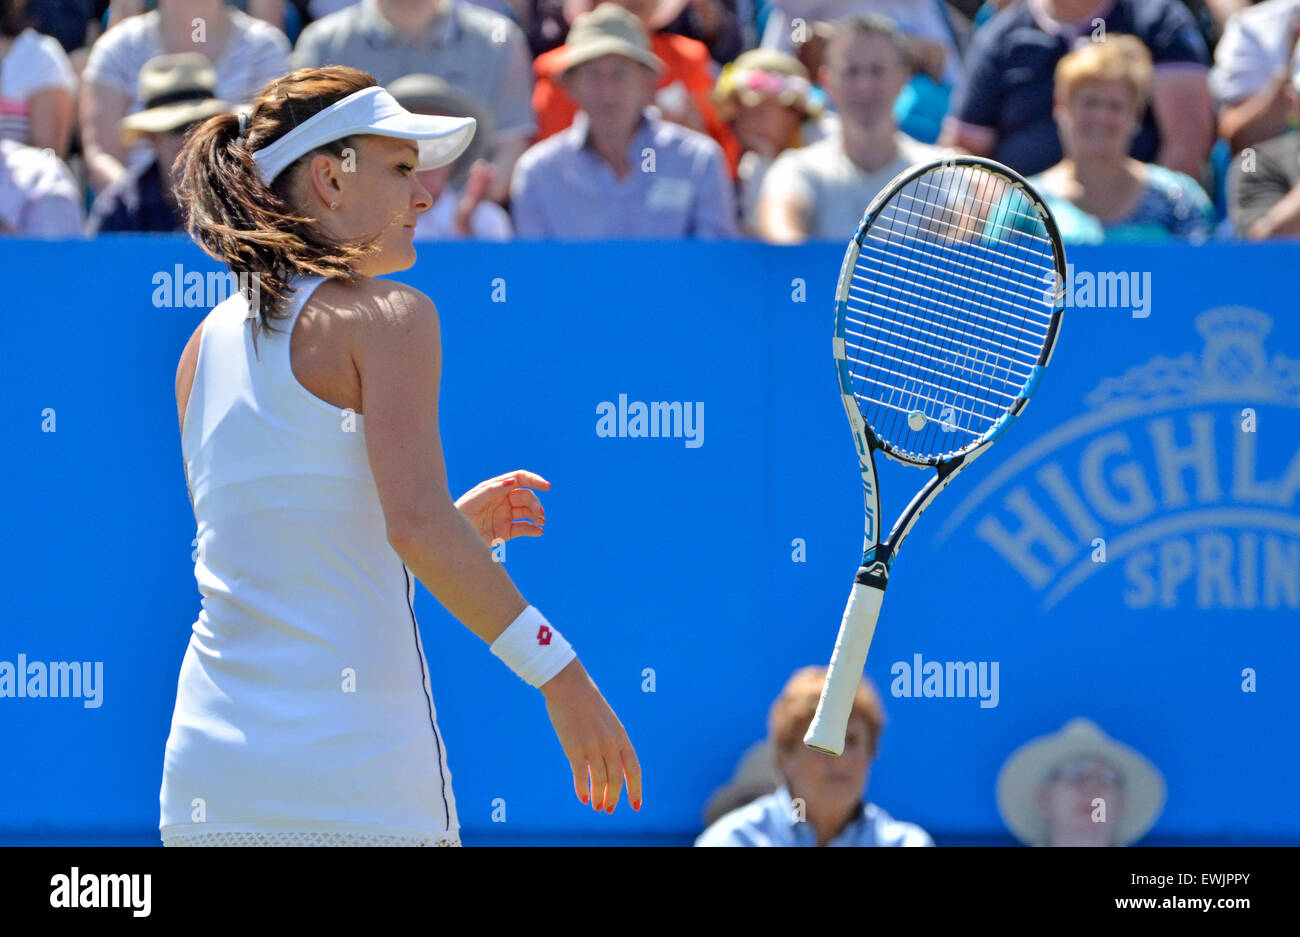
(375,304)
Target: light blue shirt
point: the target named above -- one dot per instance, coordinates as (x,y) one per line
(772,821)
(677,187)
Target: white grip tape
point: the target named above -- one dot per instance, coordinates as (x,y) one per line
(831,721)
(534,650)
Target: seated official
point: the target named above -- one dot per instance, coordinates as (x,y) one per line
(1079,787)
(619,171)
(820,801)
(178,92)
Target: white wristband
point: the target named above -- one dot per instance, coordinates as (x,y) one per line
(534,650)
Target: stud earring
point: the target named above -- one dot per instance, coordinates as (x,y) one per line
(334,206)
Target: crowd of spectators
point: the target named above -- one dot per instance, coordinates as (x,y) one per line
(776,119)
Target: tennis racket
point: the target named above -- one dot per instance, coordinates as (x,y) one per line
(946,314)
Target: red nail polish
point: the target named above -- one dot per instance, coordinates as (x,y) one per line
(637,805)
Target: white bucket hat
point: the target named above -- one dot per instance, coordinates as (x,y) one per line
(1033,763)
(368,111)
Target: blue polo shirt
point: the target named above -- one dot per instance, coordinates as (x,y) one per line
(1012,61)
(677,187)
(772,821)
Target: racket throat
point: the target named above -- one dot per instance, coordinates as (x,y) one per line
(874,571)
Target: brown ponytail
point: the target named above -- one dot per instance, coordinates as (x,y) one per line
(250,226)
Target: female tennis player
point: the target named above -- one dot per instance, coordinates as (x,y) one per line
(308,406)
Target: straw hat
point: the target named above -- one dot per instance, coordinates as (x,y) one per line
(608,30)
(1032,764)
(175,90)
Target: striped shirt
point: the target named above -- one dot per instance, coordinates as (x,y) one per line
(33,64)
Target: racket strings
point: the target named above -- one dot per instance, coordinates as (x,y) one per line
(1016,275)
(1029,275)
(950,300)
(883,335)
(975,319)
(882,256)
(882,340)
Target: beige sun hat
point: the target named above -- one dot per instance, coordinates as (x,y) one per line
(608,30)
(175,90)
(1032,764)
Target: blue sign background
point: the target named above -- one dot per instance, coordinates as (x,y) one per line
(681,560)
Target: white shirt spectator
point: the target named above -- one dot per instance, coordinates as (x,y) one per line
(488,221)
(255,53)
(34,63)
(38,196)
(1252,50)
(835,188)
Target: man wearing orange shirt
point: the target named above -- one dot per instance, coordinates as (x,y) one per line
(684,89)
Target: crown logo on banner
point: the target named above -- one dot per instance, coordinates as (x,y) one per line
(1232,364)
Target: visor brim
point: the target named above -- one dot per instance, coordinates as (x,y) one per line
(440,139)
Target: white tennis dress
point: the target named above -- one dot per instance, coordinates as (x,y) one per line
(303,710)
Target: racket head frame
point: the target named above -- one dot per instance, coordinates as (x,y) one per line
(878,553)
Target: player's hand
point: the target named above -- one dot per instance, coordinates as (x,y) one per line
(593,739)
(504,507)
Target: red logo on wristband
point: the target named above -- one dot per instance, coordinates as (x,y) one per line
(543,635)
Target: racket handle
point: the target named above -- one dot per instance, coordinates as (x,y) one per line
(831,721)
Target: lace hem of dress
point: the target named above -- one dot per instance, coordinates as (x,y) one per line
(304,838)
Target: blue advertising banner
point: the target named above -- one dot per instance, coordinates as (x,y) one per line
(1129,552)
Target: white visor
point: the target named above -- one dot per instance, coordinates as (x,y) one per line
(369,111)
